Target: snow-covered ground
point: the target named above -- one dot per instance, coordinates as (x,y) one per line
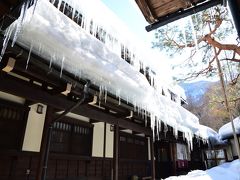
(226,171)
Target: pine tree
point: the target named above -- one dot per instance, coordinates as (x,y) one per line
(199,35)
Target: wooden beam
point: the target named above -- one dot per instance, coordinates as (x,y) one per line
(34,93)
(97,114)
(181,14)
(115,153)
(31,92)
(48,120)
(152,159)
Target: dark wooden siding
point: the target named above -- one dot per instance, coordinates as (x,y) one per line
(13,119)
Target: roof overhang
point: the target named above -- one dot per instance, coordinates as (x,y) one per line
(159,13)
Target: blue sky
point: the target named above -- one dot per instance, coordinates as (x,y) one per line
(129,13)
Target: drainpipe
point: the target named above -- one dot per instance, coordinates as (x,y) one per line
(49,136)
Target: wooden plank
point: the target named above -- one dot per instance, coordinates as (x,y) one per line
(169,7)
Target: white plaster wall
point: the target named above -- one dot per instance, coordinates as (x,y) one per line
(34,129)
(98,135)
(109,141)
(12,98)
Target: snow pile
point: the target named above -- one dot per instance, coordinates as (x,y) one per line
(226,130)
(50,34)
(226,171)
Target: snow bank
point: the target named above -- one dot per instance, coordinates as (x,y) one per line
(50,34)
(226,171)
(226,130)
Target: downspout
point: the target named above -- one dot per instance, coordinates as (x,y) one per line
(49,136)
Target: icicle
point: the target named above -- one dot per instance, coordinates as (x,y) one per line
(100,95)
(7,36)
(118,96)
(29,55)
(59,4)
(73,10)
(20,21)
(64,6)
(165,130)
(105,97)
(51,60)
(39,49)
(63,58)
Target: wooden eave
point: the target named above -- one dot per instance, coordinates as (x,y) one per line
(154,9)
(162,12)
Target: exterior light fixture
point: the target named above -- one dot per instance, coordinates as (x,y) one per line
(39,109)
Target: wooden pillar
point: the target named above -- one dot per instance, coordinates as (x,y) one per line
(104,150)
(115,153)
(104,140)
(152,159)
(173,150)
(48,120)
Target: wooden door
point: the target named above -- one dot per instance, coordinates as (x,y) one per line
(163,162)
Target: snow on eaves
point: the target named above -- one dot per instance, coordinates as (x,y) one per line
(50,34)
(226,130)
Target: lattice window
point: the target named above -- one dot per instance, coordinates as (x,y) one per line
(71,139)
(133,147)
(215,157)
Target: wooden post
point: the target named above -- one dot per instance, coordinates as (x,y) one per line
(104,150)
(173,151)
(104,140)
(152,158)
(115,153)
(48,120)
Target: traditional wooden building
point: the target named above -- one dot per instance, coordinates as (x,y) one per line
(226,134)
(60,117)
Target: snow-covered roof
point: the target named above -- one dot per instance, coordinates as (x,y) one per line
(226,130)
(50,34)
(206,132)
(210,135)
